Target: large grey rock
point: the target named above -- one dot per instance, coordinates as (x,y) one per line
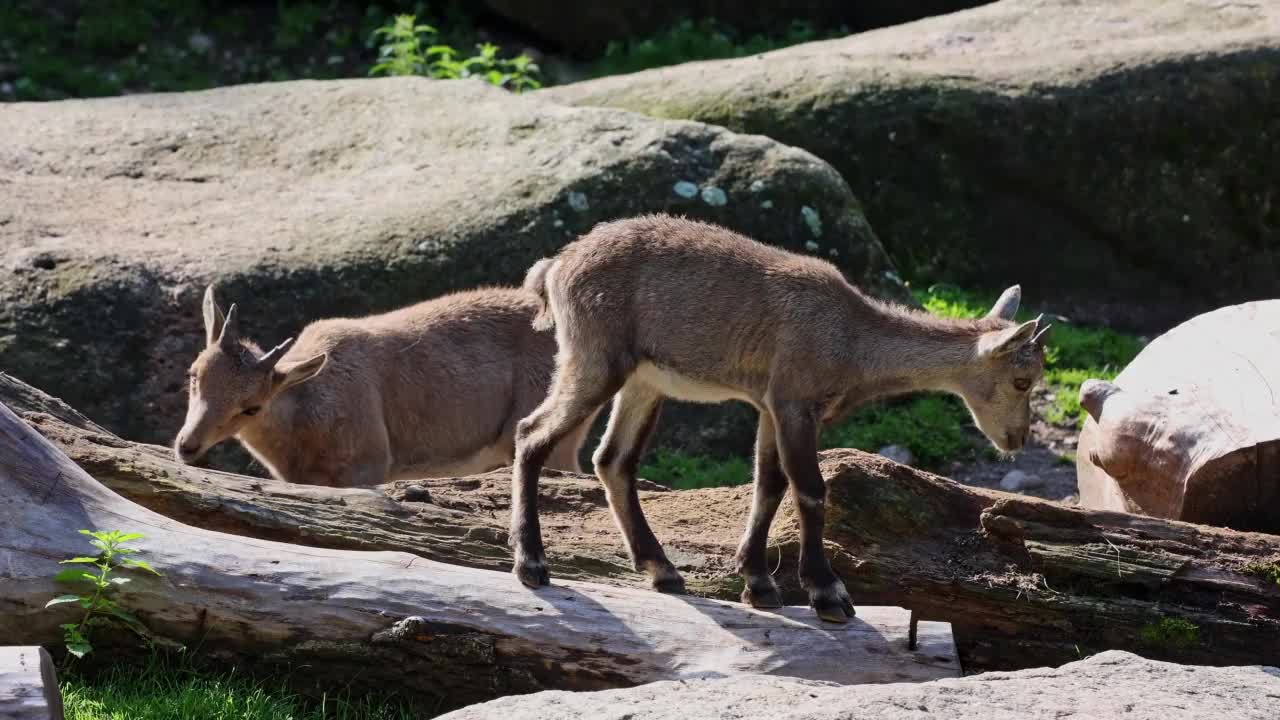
(1106,686)
(1114,156)
(311,199)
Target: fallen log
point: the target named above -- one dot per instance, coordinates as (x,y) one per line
(1190,430)
(28,685)
(1023,582)
(394,620)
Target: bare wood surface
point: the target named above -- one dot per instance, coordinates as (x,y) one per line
(1190,430)
(28,684)
(1023,582)
(383,618)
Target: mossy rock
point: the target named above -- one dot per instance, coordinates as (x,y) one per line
(1114,157)
(313,199)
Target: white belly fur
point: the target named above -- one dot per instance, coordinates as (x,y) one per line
(675,385)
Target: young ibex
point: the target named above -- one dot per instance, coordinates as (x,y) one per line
(656,306)
(429,390)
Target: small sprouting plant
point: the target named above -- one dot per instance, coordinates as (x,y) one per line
(408,49)
(113,556)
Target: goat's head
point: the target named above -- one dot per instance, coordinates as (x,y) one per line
(997,384)
(230,384)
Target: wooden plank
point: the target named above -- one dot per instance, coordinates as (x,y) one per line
(28,685)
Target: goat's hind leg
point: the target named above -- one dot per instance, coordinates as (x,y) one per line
(631,423)
(759,589)
(576,395)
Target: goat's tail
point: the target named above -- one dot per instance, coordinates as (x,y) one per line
(536,282)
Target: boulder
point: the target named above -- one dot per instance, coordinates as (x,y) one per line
(1108,685)
(595,24)
(312,199)
(1190,430)
(1114,156)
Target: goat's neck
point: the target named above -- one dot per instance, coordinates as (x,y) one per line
(904,353)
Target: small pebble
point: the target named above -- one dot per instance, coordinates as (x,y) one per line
(898,454)
(1018,481)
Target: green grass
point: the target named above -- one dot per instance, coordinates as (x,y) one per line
(688,40)
(931,426)
(683,471)
(167,689)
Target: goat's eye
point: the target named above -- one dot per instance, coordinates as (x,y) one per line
(1022,385)
(252,411)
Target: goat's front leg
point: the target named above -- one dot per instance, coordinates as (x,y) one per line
(759,589)
(798,452)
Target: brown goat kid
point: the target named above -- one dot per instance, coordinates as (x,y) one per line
(429,390)
(655,307)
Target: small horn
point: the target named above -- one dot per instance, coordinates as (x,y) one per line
(230,336)
(1038,336)
(269,360)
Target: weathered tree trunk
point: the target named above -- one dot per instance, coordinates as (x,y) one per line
(1190,430)
(28,685)
(393,620)
(1024,582)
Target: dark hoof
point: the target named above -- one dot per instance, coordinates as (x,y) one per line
(668,580)
(762,595)
(832,603)
(531,573)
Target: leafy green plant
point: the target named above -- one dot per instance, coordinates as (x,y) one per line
(407,49)
(113,556)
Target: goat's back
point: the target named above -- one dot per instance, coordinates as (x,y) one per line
(448,373)
(697,297)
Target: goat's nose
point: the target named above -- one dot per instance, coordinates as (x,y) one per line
(188,448)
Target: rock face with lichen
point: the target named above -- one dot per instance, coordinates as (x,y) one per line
(1110,684)
(1115,155)
(314,199)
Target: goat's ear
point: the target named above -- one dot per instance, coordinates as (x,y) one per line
(213,317)
(288,374)
(1003,342)
(1007,306)
(1094,394)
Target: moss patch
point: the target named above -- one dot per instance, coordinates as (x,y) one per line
(1266,571)
(1170,632)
